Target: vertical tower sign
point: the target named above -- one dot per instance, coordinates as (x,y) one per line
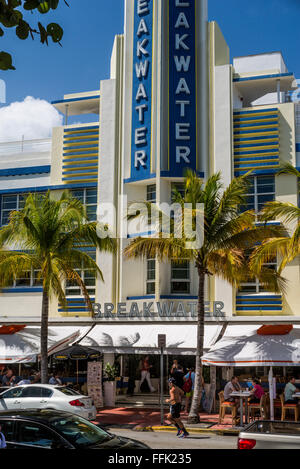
(182,86)
(142,89)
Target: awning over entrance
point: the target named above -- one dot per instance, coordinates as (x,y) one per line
(244,346)
(140,339)
(23,346)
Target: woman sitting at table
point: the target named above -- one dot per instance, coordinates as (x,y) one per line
(256,393)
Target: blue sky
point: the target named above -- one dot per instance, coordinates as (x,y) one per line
(49,72)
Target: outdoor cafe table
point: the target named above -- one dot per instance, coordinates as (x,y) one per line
(242,395)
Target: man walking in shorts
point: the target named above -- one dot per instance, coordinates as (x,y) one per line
(176,395)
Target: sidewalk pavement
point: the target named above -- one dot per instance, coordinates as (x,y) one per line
(145,419)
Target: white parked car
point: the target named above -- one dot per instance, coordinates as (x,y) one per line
(45,396)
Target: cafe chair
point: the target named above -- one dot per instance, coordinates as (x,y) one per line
(227,405)
(258,409)
(288,407)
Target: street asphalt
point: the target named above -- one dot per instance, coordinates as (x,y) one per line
(166,440)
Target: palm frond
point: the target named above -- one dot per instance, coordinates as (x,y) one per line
(286,212)
(288,168)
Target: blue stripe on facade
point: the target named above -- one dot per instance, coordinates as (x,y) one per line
(261,172)
(83,158)
(25,190)
(261,302)
(258,307)
(255,158)
(87,152)
(253,152)
(136,298)
(259,111)
(263,137)
(81,145)
(252,124)
(258,298)
(25,171)
(87,128)
(255,118)
(71,139)
(255,165)
(22,290)
(81,171)
(80,165)
(258,145)
(163,174)
(76,129)
(92,177)
(241,132)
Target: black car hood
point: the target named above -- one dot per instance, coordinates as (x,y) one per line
(118,442)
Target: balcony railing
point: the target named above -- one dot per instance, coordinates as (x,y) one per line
(25,146)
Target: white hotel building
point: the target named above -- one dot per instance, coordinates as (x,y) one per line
(174,100)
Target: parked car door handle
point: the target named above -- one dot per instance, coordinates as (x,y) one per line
(17,402)
(43,401)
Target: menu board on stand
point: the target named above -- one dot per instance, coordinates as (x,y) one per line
(94,383)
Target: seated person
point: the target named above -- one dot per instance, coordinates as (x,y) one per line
(232,386)
(257,392)
(289,390)
(55,380)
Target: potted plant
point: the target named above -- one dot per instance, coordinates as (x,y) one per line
(110,374)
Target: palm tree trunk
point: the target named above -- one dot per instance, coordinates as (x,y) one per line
(194,412)
(44,338)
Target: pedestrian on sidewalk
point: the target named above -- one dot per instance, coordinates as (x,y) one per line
(178,374)
(176,395)
(188,387)
(145,368)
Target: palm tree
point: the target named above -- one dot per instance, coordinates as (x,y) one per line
(286,247)
(228,233)
(50,236)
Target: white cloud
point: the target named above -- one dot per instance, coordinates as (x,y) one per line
(33,118)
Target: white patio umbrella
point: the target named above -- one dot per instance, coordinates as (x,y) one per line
(23,346)
(243,346)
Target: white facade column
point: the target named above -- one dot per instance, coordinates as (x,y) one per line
(107,184)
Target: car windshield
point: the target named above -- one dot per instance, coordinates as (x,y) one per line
(68,391)
(79,431)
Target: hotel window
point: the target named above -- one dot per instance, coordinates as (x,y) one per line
(88,277)
(11,203)
(151,193)
(180,277)
(256,286)
(179,187)
(28,279)
(88,197)
(151,197)
(261,191)
(151,272)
